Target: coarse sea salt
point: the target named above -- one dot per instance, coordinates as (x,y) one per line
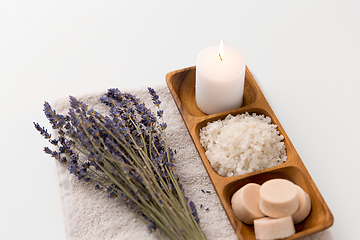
(242,143)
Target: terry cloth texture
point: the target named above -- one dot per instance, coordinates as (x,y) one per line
(90,214)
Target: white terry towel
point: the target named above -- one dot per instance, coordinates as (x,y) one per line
(90,214)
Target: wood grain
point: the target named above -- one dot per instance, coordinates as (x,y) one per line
(181,84)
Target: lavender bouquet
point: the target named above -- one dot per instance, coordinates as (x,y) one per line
(127,156)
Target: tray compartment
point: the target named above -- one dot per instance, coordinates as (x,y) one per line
(257,111)
(183,84)
(313,223)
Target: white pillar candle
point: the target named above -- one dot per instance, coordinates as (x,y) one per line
(220,74)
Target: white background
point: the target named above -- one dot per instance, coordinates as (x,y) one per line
(303,54)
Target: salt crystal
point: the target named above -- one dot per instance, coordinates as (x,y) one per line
(227,144)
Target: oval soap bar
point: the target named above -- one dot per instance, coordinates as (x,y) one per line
(278,198)
(273,228)
(304,206)
(245,203)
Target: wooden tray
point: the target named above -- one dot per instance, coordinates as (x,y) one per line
(181,84)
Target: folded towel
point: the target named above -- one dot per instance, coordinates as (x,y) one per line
(90,214)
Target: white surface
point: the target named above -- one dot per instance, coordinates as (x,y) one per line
(303,54)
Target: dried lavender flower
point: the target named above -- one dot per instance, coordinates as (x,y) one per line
(127,156)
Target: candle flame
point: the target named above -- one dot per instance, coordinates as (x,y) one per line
(221,50)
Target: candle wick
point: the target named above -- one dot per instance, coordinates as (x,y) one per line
(220,56)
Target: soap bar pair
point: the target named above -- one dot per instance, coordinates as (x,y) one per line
(281,198)
(275,206)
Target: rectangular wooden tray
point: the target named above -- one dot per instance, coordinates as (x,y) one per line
(181,84)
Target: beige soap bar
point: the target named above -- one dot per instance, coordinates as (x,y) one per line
(304,206)
(245,203)
(278,198)
(273,228)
